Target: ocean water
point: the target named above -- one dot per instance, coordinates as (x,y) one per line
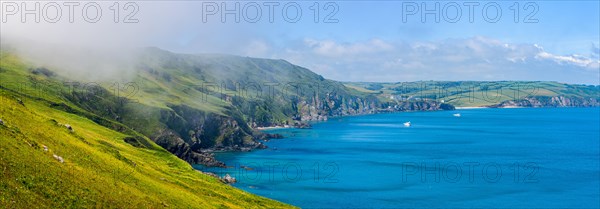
(518,158)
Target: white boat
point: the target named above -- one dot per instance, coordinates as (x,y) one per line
(407,124)
(456,114)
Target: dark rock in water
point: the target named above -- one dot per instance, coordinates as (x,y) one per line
(303,126)
(246,168)
(274,136)
(267,136)
(209,160)
(262,146)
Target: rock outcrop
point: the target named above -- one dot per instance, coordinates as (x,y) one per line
(58,158)
(228,179)
(174,144)
(69,127)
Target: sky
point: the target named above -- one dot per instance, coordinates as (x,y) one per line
(385,41)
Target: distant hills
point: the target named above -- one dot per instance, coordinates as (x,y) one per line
(486,93)
(190,106)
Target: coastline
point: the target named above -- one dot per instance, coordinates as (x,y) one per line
(512,106)
(274,127)
(268,136)
(221,164)
(467,107)
(311,153)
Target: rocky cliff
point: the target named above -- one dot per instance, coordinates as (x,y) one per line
(550,101)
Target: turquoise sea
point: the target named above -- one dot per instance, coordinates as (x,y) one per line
(523,158)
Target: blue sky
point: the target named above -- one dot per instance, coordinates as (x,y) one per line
(564,26)
(370,40)
(567,33)
(561,23)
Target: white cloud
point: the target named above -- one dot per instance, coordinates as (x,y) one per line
(584,62)
(477,58)
(330,48)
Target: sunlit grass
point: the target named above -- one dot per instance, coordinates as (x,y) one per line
(100,169)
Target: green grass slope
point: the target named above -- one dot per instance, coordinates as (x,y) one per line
(104,164)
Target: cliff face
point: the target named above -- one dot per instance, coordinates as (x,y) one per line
(547,101)
(421,106)
(203,130)
(193,135)
(333,105)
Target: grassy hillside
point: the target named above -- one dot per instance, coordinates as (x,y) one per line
(474,93)
(104,164)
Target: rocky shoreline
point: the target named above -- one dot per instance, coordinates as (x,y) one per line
(207,158)
(558,101)
(207,155)
(546,101)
